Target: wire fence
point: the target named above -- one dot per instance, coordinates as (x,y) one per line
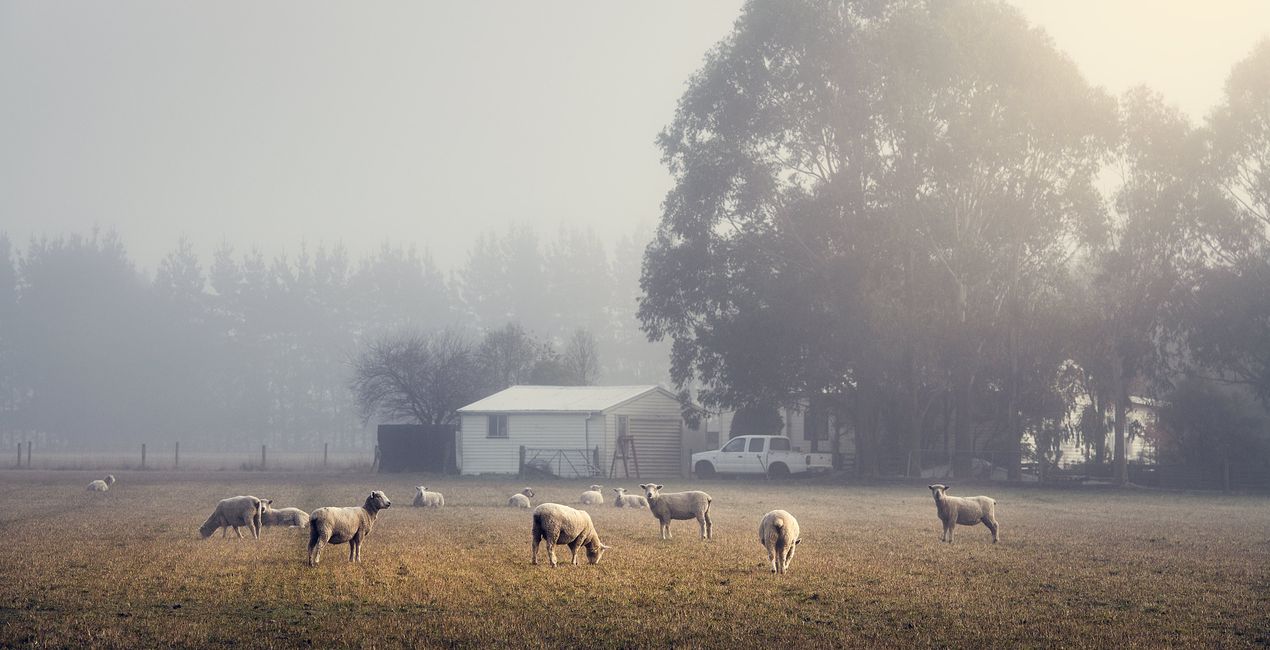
(174,456)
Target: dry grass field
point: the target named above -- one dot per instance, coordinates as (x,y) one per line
(1077,569)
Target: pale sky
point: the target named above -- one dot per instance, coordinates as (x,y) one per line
(273,123)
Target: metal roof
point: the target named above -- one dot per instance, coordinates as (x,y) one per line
(558,399)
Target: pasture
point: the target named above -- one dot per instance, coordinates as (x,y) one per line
(1074,568)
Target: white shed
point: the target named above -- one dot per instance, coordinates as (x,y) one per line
(573,430)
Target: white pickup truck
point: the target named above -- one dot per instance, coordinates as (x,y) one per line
(771,455)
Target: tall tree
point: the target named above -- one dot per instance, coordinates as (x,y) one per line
(415,377)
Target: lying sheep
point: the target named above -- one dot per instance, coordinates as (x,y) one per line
(335,525)
(678,505)
(778,533)
(521,499)
(290,517)
(594,496)
(234,512)
(624,500)
(966,511)
(559,524)
(102,485)
(426,499)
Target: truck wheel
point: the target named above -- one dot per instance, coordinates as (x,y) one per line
(704,469)
(778,470)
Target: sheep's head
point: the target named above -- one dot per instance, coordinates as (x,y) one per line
(651,490)
(377,501)
(595,551)
(619,491)
(597,488)
(266,503)
(529,492)
(420,489)
(110,479)
(937,490)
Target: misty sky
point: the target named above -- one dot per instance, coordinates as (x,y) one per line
(274,123)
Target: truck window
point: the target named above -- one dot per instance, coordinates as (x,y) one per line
(735,444)
(780,444)
(756,444)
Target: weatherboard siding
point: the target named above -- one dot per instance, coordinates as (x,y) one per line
(484,455)
(658,447)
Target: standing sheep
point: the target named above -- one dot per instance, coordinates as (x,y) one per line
(426,499)
(559,524)
(521,499)
(966,511)
(102,485)
(335,525)
(594,496)
(234,512)
(624,500)
(778,533)
(290,517)
(678,505)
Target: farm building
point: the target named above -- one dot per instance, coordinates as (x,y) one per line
(573,431)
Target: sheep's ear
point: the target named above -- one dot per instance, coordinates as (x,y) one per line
(644,485)
(267,500)
(660,487)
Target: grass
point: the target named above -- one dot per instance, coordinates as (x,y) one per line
(1078,569)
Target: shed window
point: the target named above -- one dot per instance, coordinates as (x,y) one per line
(497,426)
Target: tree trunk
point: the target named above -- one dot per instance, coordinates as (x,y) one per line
(1121,474)
(963,443)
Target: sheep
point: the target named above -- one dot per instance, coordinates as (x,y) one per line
(624,500)
(966,511)
(234,512)
(678,505)
(778,533)
(559,524)
(101,485)
(291,517)
(426,499)
(335,525)
(521,499)
(594,496)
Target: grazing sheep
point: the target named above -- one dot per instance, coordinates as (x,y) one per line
(778,533)
(426,499)
(102,485)
(335,525)
(678,505)
(234,512)
(594,496)
(624,500)
(559,524)
(290,517)
(521,499)
(966,511)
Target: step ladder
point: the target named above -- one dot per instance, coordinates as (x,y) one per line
(625,452)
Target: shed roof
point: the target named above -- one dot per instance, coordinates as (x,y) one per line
(559,399)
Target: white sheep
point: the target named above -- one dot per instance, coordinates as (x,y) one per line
(966,511)
(557,524)
(234,512)
(426,499)
(101,485)
(624,500)
(290,517)
(521,499)
(678,505)
(335,525)
(778,533)
(593,496)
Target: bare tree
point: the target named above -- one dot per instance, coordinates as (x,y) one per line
(413,376)
(582,358)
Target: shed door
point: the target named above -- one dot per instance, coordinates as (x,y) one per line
(657,444)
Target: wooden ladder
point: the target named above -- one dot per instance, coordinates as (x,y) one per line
(625,451)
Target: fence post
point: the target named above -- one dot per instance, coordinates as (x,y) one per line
(143,455)
(262,457)
(176,462)
(1225,475)
(520,472)
(19,455)
(28,454)
(325,448)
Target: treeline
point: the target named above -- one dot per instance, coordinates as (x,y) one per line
(247,349)
(917,217)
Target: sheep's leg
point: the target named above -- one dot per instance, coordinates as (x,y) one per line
(771,554)
(573,548)
(789,556)
(709,525)
(951,528)
(537,540)
(551,552)
(665,530)
(237,532)
(315,550)
(992,526)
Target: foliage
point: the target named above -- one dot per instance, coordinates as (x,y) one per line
(1205,425)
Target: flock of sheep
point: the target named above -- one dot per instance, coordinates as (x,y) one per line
(553,523)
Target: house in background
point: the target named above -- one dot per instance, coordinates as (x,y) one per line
(573,431)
